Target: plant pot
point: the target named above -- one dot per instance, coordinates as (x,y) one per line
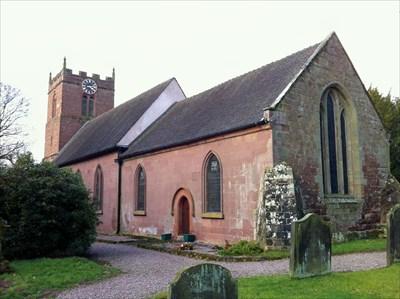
(189,238)
(166,237)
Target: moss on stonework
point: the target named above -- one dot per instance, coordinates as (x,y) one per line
(208,281)
(311,247)
(277,207)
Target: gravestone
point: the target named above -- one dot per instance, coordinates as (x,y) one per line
(310,253)
(277,207)
(204,281)
(393,236)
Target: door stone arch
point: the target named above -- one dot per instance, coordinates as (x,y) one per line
(182,209)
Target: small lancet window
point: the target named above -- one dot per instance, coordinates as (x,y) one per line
(141,190)
(84,105)
(91,105)
(88,105)
(213,185)
(98,189)
(54,106)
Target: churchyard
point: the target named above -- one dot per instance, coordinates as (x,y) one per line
(310,255)
(44,264)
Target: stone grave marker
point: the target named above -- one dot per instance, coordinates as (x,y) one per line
(208,281)
(310,253)
(393,236)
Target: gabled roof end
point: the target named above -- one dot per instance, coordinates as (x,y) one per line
(307,63)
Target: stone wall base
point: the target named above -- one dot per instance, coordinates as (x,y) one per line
(339,237)
(343,213)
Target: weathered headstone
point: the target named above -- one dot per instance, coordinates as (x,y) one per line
(277,207)
(204,281)
(311,247)
(393,236)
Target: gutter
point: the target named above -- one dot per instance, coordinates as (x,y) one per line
(86,157)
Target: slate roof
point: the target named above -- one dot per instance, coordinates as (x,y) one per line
(230,106)
(102,134)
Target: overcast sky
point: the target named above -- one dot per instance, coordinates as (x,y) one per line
(200,43)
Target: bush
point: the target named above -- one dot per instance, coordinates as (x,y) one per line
(243,248)
(48,210)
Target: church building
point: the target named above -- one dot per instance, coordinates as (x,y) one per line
(164,163)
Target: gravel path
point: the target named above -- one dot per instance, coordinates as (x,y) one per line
(146,272)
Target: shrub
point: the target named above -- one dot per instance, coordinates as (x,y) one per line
(48,210)
(249,248)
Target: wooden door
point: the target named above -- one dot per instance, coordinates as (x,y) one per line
(184,214)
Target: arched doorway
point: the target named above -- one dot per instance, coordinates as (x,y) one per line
(182,210)
(183,216)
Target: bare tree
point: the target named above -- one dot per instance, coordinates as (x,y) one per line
(13,107)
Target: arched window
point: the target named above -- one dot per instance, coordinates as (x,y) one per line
(334,143)
(84,105)
(98,189)
(212,201)
(87,105)
(140,205)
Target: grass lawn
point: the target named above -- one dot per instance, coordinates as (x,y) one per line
(372,284)
(38,277)
(367,245)
(252,249)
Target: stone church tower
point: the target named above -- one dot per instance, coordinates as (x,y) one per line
(74,99)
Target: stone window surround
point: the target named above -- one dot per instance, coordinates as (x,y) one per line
(136,211)
(354,173)
(205,213)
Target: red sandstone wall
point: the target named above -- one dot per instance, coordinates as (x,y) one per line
(243,157)
(110,192)
(66,88)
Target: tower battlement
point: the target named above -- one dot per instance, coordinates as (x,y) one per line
(70,75)
(71,103)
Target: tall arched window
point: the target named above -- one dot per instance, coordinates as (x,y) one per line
(98,189)
(212,201)
(334,143)
(140,205)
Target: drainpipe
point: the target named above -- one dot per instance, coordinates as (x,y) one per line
(120,162)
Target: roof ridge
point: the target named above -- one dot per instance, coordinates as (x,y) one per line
(214,110)
(154,123)
(247,73)
(302,69)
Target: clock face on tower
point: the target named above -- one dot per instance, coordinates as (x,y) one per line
(89,86)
